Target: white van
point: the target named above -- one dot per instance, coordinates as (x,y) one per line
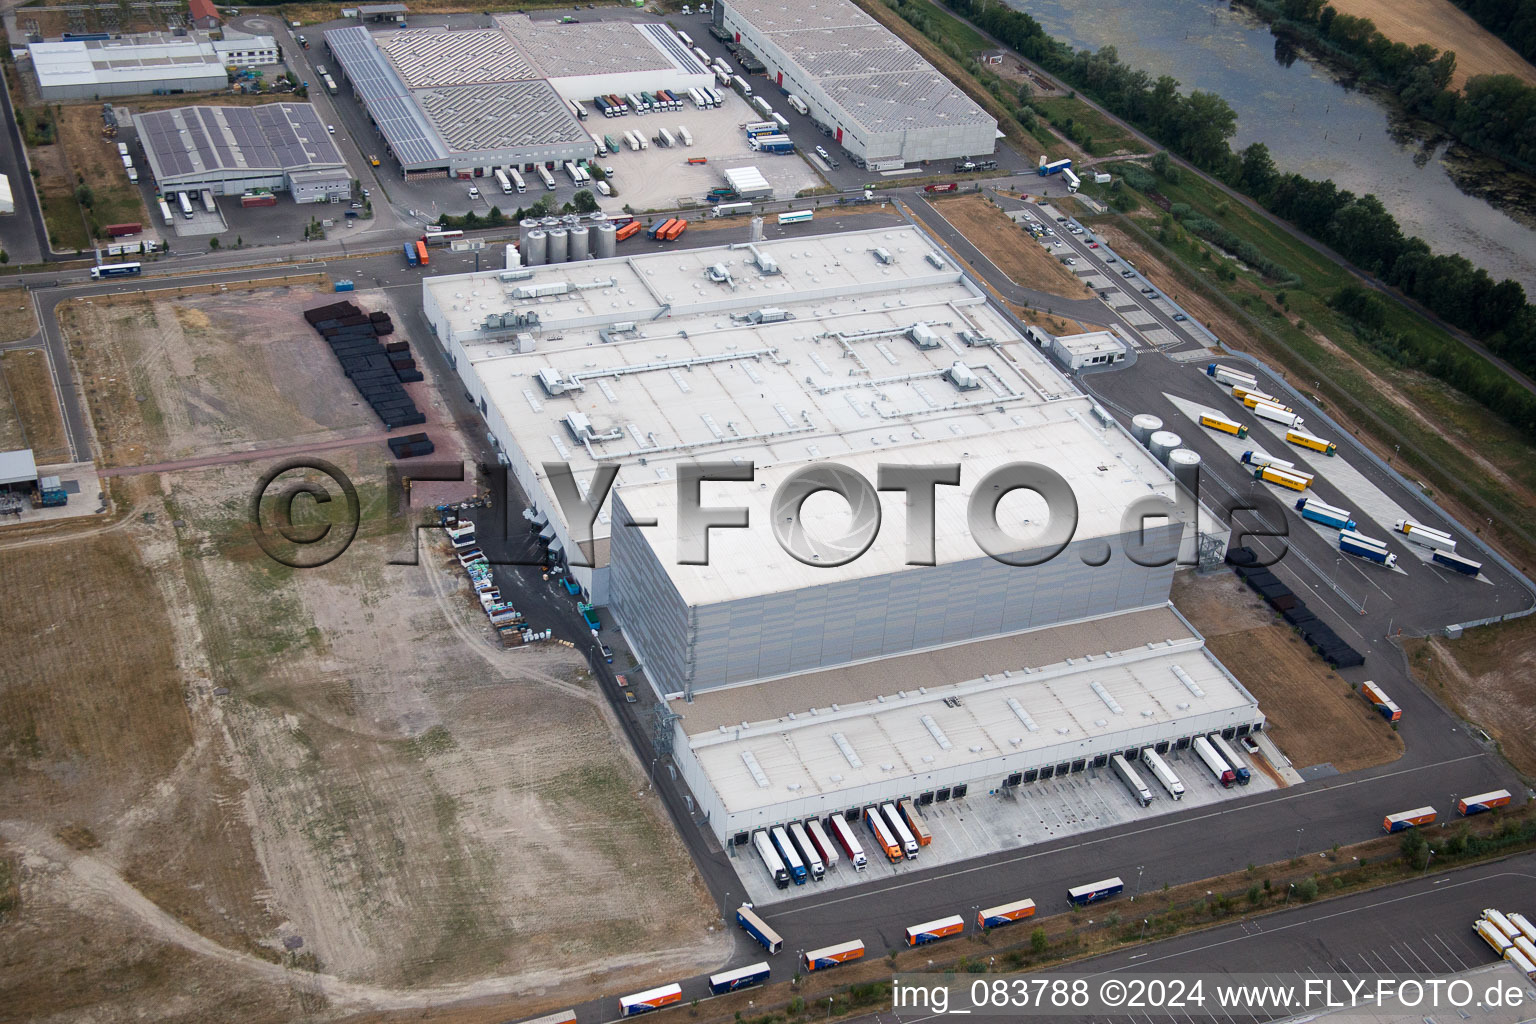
(604,188)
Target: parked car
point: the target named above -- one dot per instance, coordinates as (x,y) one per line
(1146,291)
(1093,245)
(1125,273)
(331,128)
(629,696)
(606,651)
(474,193)
(1180,317)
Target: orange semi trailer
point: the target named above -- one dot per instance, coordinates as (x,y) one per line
(421,254)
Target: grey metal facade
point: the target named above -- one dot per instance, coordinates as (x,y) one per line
(690,649)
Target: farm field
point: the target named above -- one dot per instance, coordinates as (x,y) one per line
(1445,27)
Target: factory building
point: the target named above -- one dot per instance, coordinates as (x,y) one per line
(882,102)
(239,50)
(461,103)
(972,719)
(229,150)
(129,65)
(1080,351)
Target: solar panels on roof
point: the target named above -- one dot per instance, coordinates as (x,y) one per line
(384,94)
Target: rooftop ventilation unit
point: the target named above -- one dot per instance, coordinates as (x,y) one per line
(963,377)
(884,256)
(763,316)
(936,260)
(922,336)
(767,264)
(552,382)
(718,274)
(579,426)
(515,275)
(975,339)
(534,291)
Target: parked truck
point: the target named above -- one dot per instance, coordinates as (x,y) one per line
(1483,802)
(1409,819)
(1048,167)
(1162,773)
(758,928)
(1361,546)
(410,254)
(1132,781)
(1277,414)
(1321,512)
(1302,439)
(1380,701)
(807,851)
(1230,375)
(771,859)
(1221,423)
(948,186)
(1425,536)
(1214,761)
(1283,478)
(845,837)
(1222,747)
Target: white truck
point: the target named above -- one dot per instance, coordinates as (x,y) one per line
(797,104)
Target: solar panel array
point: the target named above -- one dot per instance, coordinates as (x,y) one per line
(425,58)
(384,94)
(665,40)
(270,139)
(500,115)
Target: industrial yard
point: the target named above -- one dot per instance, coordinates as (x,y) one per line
(328,783)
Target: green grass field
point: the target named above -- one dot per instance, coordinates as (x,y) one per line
(1107,136)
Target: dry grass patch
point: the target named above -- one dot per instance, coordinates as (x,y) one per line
(1485,677)
(114,200)
(1443,26)
(17,320)
(30,385)
(1020,257)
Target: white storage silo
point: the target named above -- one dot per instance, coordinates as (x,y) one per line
(1163,442)
(1144,425)
(559,239)
(580,243)
(536,248)
(1185,466)
(605,241)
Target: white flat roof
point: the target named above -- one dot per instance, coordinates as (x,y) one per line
(17,467)
(1090,343)
(896,736)
(145,58)
(838,378)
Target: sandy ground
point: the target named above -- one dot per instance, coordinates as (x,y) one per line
(17,320)
(1008,246)
(1441,25)
(1486,676)
(1314,715)
(32,403)
(232,790)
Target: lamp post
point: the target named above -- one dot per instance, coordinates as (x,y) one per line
(1139,869)
(1298,843)
(1430,855)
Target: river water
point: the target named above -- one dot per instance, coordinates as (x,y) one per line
(1310,123)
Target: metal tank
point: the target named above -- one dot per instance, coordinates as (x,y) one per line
(580,243)
(1144,425)
(1161,443)
(605,241)
(1185,466)
(559,240)
(535,248)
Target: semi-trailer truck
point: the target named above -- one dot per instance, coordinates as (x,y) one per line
(1302,439)
(1231,375)
(1163,773)
(1277,414)
(1283,478)
(1132,781)
(504,181)
(1483,802)
(1426,536)
(1380,701)
(1259,459)
(1221,423)
(807,851)
(1244,776)
(549,179)
(823,843)
(1214,761)
(843,833)
(1321,512)
(797,871)
(758,928)
(914,822)
(517,180)
(899,828)
(1048,167)
(1361,546)
(771,859)
(1409,819)
(884,837)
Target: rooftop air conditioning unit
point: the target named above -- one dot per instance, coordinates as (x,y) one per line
(963,377)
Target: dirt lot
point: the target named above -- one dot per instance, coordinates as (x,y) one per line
(1485,676)
(17,320)
(213,374)
(1441,25)
(114,199)
(1314,716)
(234,790)
(31,405)
(1010,247)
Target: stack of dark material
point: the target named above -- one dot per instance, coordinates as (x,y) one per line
(1318,634)
(378,371)
(411,445)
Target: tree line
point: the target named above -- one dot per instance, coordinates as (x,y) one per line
(1197,125)
(1492,113)
(1513,21)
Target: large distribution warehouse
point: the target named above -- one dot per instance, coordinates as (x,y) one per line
(458,102)
(278,146)
(129,65)
(853,354)
(886,105)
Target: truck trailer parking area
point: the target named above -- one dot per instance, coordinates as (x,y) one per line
(985,823)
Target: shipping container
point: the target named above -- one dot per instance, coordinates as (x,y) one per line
(1007,913)
(1093,892)
(824,844)
(1224,749)
(1132,781)
(1163,773)
(932,931)
(421,254)
(629,230)
(1380,701)
(758,928)
(651,999)
(1483,802)
(915,822)
(831,956)
(1223,424)
(1302,439)
(899,829)
(844,836)
(1408,819)
(786,850)
(884,838)
(807,851)
(1214,761)
(734,981)
(165,212)
(771,859)
(410,254)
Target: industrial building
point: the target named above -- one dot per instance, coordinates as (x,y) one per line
(7,198)
(229,150)
(239,50)
(1080,351)
(883,664)
(463,102)
(129,65)
(883,103)
(966,720)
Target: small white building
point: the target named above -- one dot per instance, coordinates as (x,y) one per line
(1080,351)
(238,50)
